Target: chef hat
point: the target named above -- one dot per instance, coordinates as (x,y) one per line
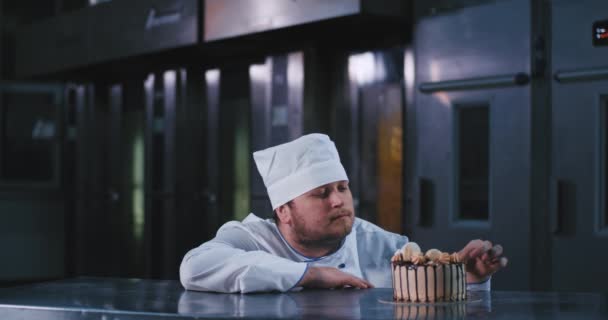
(294,168)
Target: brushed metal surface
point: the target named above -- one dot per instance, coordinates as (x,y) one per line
(231,18)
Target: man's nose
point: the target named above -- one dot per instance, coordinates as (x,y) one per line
(336,199)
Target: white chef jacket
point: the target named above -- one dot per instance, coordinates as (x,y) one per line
(253,256)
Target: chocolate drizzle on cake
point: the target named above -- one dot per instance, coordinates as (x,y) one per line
(435,281)
(450,282)
(457,282)
(463,281)
(444,278)
(426,285)
(416,278)
(418,290)
(407,284)
(450,286)
(393,281)
(400,282)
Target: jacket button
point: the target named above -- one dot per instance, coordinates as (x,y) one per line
(341,266)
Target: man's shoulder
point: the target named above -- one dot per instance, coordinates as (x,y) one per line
(376,246)
(366,228)
(252,224)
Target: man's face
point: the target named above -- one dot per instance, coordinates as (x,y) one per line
(323,215)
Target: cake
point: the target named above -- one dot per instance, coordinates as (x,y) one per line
(431,277)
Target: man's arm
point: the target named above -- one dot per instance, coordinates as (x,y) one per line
(330,278)
(232,262)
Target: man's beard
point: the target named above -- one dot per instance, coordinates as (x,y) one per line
(308,237)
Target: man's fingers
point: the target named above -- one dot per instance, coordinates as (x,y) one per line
(496,251)
(474,249)
(497,264)
(503,261)
(472,245)
(357,283)
(483,259)
(364,284)
(492,255)
(329,277)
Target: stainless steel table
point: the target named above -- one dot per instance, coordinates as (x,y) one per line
(114,299)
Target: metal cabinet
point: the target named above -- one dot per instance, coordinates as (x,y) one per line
(471,126)
(579,219)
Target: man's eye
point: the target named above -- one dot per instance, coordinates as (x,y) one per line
(342,188)
(322,193)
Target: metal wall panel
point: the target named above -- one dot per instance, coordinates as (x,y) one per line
(259,77)
(121,29)
(163,98)
(52,45)
(233,131)
(106,32)
(277,93)
(479,48)
(572,41)
(357,97)
(212,187)
(232,18)
(192,202)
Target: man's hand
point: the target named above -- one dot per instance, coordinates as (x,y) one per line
(482,259)
(329,278)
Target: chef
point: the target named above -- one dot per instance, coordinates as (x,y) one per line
(314,239)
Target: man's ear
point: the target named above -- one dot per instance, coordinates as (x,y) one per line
(284,214)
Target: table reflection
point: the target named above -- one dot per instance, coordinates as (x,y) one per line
(334,304)
(99,298)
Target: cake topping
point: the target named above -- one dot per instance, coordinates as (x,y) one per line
(418,258)
(455,258)
(433,255)
(444,258)
(409,250)
(411,253)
